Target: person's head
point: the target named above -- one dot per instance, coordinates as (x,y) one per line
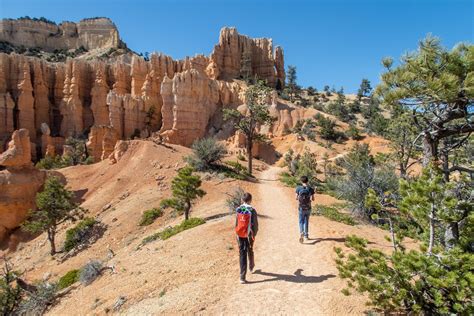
(247,198)
(304,179)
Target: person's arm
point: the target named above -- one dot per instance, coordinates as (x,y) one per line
(313,192)
(297,193)
(254,220)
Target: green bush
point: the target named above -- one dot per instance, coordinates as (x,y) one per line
(149,216)
(171,231)
(333,214)
(241,157)
(68,279)
(289,180)
(353,132)
(78,234)
(55,162)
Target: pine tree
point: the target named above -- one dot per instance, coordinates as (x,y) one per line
(402,134)
(55,206)
(437,86)
(256,115)
(364,89)
(246,65)
(292,85)
(438,278)
(185,189)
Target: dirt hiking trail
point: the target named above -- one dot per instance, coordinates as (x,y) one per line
(289,277)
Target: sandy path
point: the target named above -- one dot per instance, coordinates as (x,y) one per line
(290,278)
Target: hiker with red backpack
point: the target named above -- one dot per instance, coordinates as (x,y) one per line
(246,227)
(304,195)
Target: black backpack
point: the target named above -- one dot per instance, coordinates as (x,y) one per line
(304,198)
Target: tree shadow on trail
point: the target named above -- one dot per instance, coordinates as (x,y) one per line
(317,240)
(297,277)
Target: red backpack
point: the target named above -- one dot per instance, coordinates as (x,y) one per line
(244,222)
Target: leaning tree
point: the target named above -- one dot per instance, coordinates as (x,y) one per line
(437,87)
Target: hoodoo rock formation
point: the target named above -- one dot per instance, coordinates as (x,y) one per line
(123,98)
(19,182)
(88,33)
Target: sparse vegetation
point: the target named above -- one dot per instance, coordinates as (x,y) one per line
(171,231)
(149,216)
(76,154)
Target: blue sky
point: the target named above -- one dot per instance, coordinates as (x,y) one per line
(330,42)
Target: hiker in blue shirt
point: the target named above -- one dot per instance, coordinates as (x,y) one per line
(304,195)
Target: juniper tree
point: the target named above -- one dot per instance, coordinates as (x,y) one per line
(185,189)
(55,205)
(257,114)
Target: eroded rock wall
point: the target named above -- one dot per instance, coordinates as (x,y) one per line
(133,97)
(88,33)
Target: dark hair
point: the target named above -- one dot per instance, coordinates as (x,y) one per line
(247,197)
(304,179)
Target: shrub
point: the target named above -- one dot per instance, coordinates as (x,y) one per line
(171,231)
(149,216)
(241,157)
(68,279)
(361,175)
(79,234)
(235,199)
(333,214)
(206,153)
(288,179)
(38,301)
(91,271)
(10,295)
(55,162)
(354,132)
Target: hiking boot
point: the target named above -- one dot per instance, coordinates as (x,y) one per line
(243,281)
(301,238)
(306,238)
